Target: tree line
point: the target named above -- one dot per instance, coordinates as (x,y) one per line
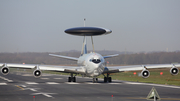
(122,59)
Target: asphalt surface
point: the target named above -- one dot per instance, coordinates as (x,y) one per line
(20,86)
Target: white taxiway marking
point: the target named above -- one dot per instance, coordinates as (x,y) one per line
(27,75)
(6,79)
(164,86)
(32,89)
(23,86)
(45,78)
(47,75)
(71,83)
(10,80)
(31,83)
(136,83)
(18,73)
(58,78)
(115,83)
(92,83)
(3,84)
(51,83)
(45,94)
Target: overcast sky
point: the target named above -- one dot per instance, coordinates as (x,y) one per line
(137,25)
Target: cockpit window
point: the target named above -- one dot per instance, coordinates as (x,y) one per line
(96,61)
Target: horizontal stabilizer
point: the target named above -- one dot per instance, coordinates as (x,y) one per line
(109,56)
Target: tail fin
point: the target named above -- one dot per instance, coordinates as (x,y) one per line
(84,47)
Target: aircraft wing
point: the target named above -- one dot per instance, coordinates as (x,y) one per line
(65,69)
(23,66)
(138,67)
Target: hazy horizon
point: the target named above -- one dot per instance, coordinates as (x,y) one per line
(100,51)
(137,26)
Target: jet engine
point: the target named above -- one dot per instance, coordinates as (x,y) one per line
(145,73)
(37,73)
(5,70)
(174,70)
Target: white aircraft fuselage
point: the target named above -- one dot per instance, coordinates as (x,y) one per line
(93,64)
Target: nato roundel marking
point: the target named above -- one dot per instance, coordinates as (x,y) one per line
(86,31)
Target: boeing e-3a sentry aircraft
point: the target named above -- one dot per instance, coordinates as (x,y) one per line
(88,64)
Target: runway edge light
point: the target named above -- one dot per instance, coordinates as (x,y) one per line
(33,98)
(153,95)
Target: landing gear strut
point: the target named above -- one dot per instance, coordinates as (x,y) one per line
(95,80)
(107,79)
(72,79)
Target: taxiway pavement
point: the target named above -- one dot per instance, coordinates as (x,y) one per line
(20,86)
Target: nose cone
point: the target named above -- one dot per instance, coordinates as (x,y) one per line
(109,31)
(96,66)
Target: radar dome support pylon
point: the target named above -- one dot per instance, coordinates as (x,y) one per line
(87,31)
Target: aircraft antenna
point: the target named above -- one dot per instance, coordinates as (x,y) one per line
(84,22)
(84,41)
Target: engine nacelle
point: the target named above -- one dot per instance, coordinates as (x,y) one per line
(174,71)
(37,73)
(145,73)
(5,70)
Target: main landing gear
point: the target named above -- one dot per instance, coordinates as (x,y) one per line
(107,78)
(72,79)
(95,80)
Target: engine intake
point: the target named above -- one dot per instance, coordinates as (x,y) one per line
(174,71)
(37,73)
(5,70)
(145,73)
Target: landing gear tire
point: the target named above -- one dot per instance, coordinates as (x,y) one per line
(105,79)
(109,79)
(71,78)
(95,80)
(74,79)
